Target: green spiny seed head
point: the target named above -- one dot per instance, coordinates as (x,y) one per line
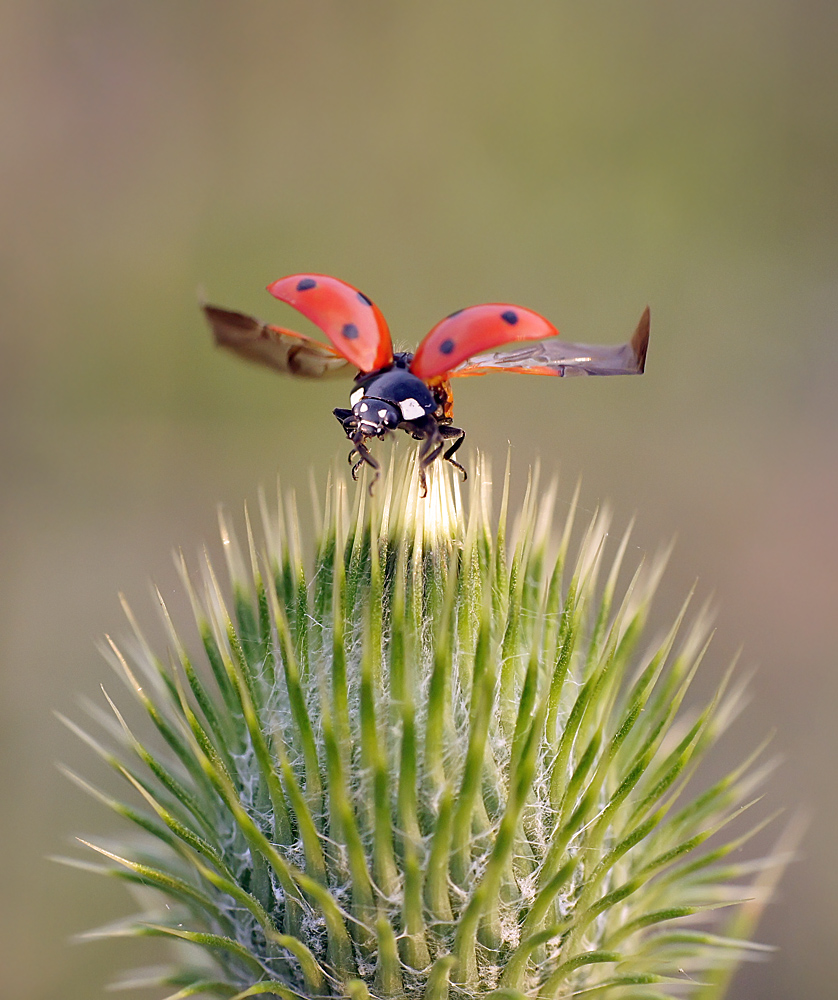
(431,761)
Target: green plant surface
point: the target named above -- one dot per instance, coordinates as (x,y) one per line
(441,757)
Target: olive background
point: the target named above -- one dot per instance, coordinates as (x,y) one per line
(579,159)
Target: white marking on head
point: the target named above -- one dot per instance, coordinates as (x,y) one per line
(364,407)
(356,395)
(411,410)
(382,413)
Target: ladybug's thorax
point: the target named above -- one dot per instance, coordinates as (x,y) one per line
(397,387)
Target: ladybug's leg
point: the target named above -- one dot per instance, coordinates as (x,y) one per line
(364,458)
(353,432)
(428,453)
(344,419)
(447,433)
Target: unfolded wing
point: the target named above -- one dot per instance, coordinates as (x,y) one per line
(278,348)
(557,357)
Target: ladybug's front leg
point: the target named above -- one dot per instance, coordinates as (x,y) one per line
(364,458)
(353,432)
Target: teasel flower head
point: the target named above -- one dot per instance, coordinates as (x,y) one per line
(424,756)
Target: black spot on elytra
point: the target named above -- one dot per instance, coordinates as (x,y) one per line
(364,299)
(447,346)
(350,331)
(510,317)
(304,284)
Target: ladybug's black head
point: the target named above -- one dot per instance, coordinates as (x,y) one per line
(374,417)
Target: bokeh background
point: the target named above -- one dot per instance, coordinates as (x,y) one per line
(580,159)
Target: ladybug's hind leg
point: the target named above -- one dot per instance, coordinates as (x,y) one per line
(434,436)
(448,432)
(429,452)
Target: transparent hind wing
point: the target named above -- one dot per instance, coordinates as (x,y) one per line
(283,350)
(557,357)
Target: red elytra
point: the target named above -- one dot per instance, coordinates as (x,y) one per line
(478,328)
(352,322)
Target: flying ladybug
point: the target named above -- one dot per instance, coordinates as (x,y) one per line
(400,390)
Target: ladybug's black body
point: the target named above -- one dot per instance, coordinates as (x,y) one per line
(392,398)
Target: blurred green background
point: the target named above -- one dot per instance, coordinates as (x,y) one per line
(580,159)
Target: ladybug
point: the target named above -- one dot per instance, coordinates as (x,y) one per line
(400,390)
